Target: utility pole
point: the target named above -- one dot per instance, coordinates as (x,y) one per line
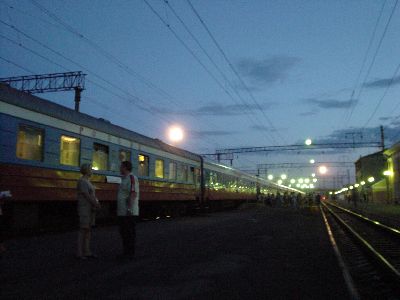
(382,138)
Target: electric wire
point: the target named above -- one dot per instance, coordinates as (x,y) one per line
(376,52)
(372,38)
(233,69)
(208,55)
(197,59)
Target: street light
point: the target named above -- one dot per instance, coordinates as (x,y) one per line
(308,142)
(270,177)
(300,180)
(283,176)
(356,185)
(292,181)
(323,170)
(388,173)
(362,182)
(313,175)
(314,180)
(280,181)
(351,187)
(371,179)
(312,161)
(307,180)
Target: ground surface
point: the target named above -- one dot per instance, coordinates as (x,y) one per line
(259,253)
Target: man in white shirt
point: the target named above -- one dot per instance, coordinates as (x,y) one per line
(128,209)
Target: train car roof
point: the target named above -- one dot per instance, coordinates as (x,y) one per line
(40,105)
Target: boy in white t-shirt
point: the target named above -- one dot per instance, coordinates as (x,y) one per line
(128,209)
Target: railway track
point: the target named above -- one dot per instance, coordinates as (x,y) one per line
(370,252)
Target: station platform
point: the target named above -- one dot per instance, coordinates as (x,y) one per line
(254,253)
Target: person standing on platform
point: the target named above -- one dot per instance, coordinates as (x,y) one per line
(87,205)
(3,195)
(128,209)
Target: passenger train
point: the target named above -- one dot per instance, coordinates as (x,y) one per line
(43,144)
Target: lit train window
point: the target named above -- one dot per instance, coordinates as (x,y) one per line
(172,171)
(143,169)
(159,168)
(100,157)
(69,151)
(124,155)
(30,143)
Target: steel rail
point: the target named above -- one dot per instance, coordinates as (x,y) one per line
(386,228)
(385,265)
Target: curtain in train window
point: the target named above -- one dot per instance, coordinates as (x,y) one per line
(69,151)
(172,171)
(100,157)
(30,143)
(143,169)
(159,168)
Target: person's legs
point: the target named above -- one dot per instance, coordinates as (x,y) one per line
(81,235)
(131,224)
(86,243)
(123,231)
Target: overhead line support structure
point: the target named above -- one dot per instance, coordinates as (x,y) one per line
(55,82)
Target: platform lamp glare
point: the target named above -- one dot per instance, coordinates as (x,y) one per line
(323,170)
(308,142)
(371,179)
(270,177)
(283,176)
(388,173)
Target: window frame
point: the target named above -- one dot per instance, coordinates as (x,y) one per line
(39,129)
(155,168)
(108,156)
(79,150)
(148,164)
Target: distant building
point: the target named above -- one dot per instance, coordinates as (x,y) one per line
(393,172)
(373,166)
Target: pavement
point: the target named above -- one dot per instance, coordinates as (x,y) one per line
(257,253)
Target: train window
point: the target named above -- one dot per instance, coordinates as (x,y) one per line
(159,168)
(100,157)
(172,171)
(30,143)
(185,173)
(191,175)
(143,165)
(69,151)
(124,155)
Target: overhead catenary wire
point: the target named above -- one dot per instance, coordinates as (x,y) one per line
(230,64)
(129,99)
(17,65)
(196,58)
(111,57)
(234,89)
(372,38)
(376,53)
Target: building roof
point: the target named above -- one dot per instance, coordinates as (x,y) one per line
(40,105)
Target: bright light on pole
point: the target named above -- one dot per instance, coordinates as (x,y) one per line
(308,142)
(280,181)
(270,177)
(323,170)
(313,175)
(362,182)
(388,173)
(283,176)
(312,161)
(175,134)
(371,179)
(292,181)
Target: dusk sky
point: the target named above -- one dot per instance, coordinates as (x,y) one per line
(299,69)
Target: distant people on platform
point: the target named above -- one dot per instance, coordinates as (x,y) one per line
(128,209)
(87,206)
(3,195)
